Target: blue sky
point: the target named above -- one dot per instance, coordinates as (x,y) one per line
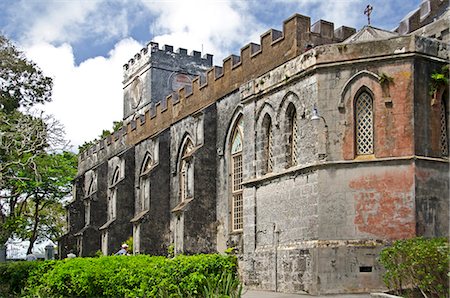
(83,44)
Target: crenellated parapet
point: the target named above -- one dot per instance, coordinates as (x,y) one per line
(425,14)
(275,48)
(143,58)
(258,69)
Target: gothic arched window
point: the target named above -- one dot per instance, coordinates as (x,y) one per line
(364,124)
(268,143)
(292,135)
(185,171)
(144,184)
(237,175)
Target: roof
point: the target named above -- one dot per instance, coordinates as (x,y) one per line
(369,33)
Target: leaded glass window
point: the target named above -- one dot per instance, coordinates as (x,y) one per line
(144,190)
(364,124)
(444,132)
(269,146)
(185,188)
(144,185)
(236,177)
(293,138)
(112,204)
(116,176)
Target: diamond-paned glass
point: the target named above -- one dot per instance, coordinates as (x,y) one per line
(364,124)
(294,139)
(444,132)
(269,148)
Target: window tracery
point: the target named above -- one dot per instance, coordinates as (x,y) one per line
(237,176)
(364,124)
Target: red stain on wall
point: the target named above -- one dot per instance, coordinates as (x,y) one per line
(384,204)
(393,124)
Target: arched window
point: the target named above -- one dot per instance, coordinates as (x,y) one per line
(268,143)
(116,176)
(92,187)
(292,135)
(112,198)
(185,170)
(147,164)
(364,124)
(236,175)
(444,127)
(144,184)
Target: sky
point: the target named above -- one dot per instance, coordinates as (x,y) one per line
(83,44)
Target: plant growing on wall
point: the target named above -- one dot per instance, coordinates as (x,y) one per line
(439,80)
(385,81)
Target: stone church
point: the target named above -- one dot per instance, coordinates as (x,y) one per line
(305,155)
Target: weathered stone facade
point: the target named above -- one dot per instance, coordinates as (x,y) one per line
(306,154)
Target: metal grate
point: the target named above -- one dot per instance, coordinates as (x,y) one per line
(444,134)
(294,138)
(238,211)
(364,124)
(269,149)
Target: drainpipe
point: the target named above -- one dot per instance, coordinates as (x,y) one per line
(276,241)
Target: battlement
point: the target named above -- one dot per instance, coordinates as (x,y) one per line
(422,16)
(143,58)
(275,48)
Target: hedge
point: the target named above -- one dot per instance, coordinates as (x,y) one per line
(125,276)
(418,263)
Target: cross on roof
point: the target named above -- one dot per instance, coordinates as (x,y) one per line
(368,12)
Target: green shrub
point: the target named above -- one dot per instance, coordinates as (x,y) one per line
(417,263)
(136,276)
(13,277)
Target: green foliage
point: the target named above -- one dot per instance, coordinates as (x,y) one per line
(45,182)
(22,83)
(418,263)
(129,242)
(439,79)
(118,276)
(385,79)
(171,251)
(86,145)
(227,286)
(13,277)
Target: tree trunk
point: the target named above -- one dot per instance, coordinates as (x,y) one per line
(35,226)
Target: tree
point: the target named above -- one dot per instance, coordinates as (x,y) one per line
(23,138)
(22,83)
(106,132)
(35,172)
(44,184)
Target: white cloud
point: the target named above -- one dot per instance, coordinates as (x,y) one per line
(215,26)
(86,98)
(69,21)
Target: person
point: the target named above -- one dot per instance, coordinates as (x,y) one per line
(123,251)
(31,257)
